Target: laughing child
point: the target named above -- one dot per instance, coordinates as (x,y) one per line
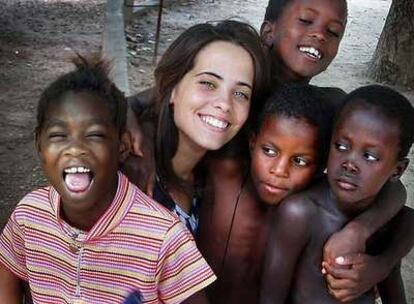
(92,236)
(293,127)
(372,137)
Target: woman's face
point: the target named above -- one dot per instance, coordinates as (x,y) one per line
(211,102)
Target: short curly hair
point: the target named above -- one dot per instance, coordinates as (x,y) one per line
(91,75)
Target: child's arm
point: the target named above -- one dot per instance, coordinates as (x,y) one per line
(352,238)
(392,288)
(136,105)
(366,271)
(287,238)
(10,288)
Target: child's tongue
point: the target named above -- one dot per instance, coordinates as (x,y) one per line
(77,182)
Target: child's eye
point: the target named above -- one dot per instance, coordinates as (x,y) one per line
(333,33)
(95,135)
(300,162)
(305,21)
(207,84)
(341,147)
(56,136)
(370,157)
(270,151)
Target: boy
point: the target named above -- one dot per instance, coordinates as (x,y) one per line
(369,146)
(92,236)
(293,127)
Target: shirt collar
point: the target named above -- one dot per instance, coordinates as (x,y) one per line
(122,202)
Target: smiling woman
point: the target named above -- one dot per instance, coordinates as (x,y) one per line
(205,85)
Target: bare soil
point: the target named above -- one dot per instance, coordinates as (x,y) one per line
(37,38)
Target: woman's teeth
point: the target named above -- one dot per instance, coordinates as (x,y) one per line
(215,122)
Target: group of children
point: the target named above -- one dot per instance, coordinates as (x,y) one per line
(94,237)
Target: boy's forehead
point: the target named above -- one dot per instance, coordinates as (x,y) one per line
(361,117)
(338,7)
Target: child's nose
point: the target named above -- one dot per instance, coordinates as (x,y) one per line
(281,167)
(75,147)
(350,166)
(318,32)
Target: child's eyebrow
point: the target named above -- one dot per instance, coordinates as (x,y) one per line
(54,122)
(338,21)
(241,83)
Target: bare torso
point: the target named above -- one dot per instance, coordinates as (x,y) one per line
(239,266)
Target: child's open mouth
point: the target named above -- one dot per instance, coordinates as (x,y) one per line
(77,179)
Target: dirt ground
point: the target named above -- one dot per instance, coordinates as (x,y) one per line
(38,36)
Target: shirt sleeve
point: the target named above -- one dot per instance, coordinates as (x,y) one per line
(181,271)
(12,249)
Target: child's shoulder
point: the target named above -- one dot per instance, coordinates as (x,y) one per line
(148,207)
(304,204)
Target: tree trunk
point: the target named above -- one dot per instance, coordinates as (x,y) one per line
(393,60)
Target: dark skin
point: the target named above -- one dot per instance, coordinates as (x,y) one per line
(301,226)
(239,273)
(324,33)
(283,161)
(363,157)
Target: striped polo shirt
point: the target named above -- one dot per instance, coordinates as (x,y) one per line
(137,246)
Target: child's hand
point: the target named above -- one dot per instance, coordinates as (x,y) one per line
(362,273)
(348,240)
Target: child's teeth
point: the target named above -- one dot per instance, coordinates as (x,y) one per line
(73,170)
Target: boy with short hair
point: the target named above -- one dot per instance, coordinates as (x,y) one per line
(92,236)
(371,139)
(294,126)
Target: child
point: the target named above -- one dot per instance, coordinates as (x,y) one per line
(293,127)
(369,146)
(92,236)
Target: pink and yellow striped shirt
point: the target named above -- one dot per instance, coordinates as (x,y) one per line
(137,245)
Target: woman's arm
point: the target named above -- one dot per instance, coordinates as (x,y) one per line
(288,236)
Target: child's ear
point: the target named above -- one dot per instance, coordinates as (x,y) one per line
(267,33)
(399,169)
(125,146)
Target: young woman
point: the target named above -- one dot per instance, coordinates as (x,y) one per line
(205,86)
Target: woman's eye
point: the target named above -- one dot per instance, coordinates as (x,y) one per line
(370,157)
(207,84)
(341,147)
(242,95)
(269,151)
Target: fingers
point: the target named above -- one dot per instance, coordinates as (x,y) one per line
(351,259)
(343,295)
(340,273)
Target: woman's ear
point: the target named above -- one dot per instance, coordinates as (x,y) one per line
(267,33)
(399,169)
